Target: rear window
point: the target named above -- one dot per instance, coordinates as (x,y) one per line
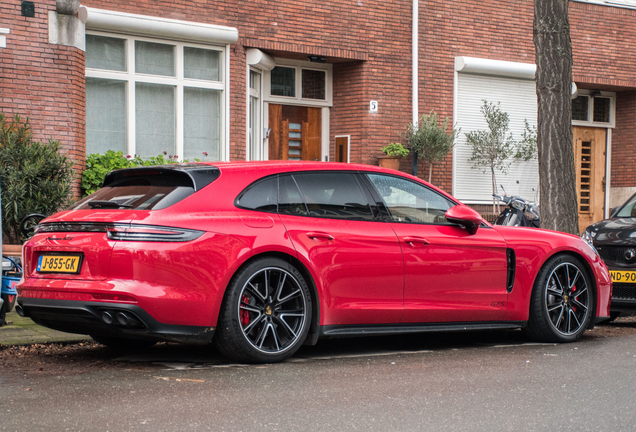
(150,191)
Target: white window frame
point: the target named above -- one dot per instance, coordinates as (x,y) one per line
(178,81)
(626,4)
(174,32)
(258,135)
(590,110)
(298,66)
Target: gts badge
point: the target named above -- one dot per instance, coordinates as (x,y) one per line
(498,304)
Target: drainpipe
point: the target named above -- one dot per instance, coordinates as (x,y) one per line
(415,58)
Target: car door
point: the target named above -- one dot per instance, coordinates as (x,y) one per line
(450,275)
(355,257)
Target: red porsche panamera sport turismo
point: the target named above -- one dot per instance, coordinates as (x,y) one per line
(261,258)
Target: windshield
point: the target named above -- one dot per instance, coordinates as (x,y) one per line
(628,209)
(148,192)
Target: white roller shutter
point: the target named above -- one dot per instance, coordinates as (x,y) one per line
(519,100)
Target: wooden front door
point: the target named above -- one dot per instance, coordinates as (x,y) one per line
(295,133)
(589,159)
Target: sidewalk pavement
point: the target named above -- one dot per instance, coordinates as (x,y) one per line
(23,331)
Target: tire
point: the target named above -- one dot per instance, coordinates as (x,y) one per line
(122,343)
(266,313)
(560,311)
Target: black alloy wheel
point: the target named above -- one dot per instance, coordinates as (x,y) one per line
(266,313)
(562,301)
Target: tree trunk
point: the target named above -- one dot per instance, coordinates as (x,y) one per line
(557,176)
(430,171)
(493,179)
(414,164)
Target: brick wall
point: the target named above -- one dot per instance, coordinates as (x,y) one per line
(623,160)
(41,81)
(371,45)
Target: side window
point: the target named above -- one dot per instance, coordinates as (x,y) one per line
(334,195)
(408,201)
(261,196)
(290,201)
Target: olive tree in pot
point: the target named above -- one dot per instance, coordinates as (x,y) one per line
(394,152)
(430,141)
(36,177)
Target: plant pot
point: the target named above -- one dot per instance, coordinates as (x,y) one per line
(390,162)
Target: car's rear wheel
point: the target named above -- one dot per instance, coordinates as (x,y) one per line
(562,301)
(266,313)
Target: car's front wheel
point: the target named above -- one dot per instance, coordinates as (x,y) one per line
(266,313)
(562,303)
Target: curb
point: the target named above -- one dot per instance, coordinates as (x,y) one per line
(23,331)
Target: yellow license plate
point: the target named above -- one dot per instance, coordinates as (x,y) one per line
(59,264)
(623,276)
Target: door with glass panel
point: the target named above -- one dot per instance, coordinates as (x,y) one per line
(589,159)
(295,132)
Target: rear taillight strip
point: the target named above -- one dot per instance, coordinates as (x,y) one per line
(152,233)
(72,227)
(125,232)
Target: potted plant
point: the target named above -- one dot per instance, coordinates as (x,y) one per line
(393,153)
(429,140)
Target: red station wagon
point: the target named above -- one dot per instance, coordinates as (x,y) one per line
(263,257)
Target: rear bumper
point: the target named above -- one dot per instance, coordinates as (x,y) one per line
(92,318)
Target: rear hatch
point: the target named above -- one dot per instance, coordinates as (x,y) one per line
(77,244)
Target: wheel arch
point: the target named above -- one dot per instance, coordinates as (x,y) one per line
(590,276)
(312,337)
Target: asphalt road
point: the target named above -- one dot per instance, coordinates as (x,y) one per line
(444,382)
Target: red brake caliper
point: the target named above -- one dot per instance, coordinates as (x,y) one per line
(245,315)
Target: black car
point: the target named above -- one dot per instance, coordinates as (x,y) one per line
(615,241)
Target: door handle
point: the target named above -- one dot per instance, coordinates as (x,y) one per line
(319,236)
(415,241)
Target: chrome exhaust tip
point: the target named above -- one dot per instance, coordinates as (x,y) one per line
(107,317)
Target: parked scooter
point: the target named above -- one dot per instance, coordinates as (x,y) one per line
(12,270)
(11,274)
(518,211)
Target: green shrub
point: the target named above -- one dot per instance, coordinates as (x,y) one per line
(395,150)
(35,177)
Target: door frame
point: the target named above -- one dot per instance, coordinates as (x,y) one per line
(606,168)
(324,144)
(335,141)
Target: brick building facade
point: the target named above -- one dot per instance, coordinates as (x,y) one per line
(366,49)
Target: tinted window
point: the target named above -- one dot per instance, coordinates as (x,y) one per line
(261,196)
(334,195)
(147,192)
(629,209)
(408,201)
(290,201)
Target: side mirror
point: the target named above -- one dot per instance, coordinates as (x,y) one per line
(464,216)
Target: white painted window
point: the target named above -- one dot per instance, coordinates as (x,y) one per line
(628,4)
(255,104)
(518,98)
(594,108)
(147,96)
(299,83)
